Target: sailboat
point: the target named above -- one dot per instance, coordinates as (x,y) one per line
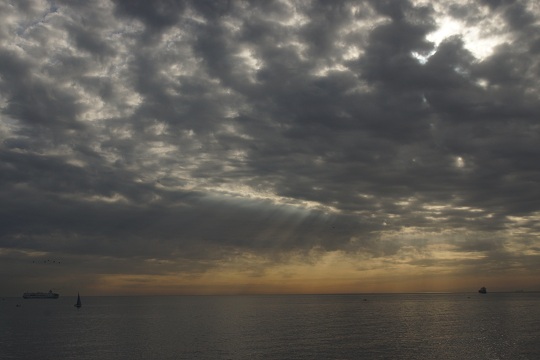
(78,304)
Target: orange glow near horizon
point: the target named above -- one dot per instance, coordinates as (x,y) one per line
(331,276)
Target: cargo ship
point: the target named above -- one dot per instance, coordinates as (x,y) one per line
(40,295)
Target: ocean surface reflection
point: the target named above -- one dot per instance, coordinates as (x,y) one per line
(405,326)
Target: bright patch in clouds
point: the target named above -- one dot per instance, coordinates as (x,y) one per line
(479,37)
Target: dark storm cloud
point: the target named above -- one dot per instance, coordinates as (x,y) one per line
(172,129)
(155,16)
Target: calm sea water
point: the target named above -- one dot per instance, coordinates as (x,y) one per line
(407,326)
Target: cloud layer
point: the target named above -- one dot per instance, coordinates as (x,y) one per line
(260,139)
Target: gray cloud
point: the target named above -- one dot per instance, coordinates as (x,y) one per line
(191,131)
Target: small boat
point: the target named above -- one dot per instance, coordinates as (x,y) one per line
(40,295)
(78,304)
(482,290)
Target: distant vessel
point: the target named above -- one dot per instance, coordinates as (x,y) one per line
(78,304)
(482,290)
(40,295)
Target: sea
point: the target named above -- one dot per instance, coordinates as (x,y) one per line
(368,326)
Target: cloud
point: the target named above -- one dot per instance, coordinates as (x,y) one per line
(258,134)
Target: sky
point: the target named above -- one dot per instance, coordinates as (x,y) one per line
(257,147)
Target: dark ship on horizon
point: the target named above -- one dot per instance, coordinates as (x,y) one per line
(483,290)
(40,295)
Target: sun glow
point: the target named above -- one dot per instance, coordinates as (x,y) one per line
(476,39)
(480,38)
